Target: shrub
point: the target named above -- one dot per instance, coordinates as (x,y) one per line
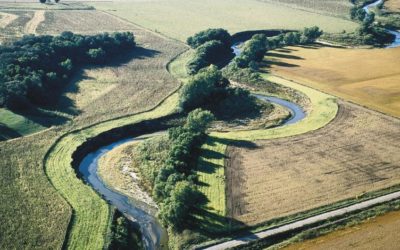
(208,35)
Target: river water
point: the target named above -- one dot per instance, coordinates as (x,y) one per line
(396,42)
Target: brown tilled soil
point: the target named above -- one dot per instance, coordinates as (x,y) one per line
(358,152)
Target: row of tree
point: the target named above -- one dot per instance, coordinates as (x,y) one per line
(35,68)
(174,186)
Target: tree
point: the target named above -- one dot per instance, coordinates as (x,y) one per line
(198,120)
(209,35)
(42,1)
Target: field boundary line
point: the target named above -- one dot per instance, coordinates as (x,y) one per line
(243,240)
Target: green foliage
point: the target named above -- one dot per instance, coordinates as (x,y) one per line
(202,89)
(211,52)
(208,35)
(34,68)
(357,13)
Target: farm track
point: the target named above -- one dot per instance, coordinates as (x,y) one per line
(355,153)
(33,24)
(6,19)
(306,222)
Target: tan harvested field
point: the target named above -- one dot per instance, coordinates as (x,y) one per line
(16,25)
(369,77)
(354,154)
(379,233)
(339,8)
(393,5)
(32,25)
(130,84)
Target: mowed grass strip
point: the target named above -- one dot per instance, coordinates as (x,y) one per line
(369,77)
(210,171)
(182,18)
(322,110)
(90,212)
(15,125)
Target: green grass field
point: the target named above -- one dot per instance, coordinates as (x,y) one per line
(182,18)
(13,125)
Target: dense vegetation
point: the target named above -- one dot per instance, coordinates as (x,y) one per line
(122,235)
(172,178)
(34,68)
(244,67)
(212,46)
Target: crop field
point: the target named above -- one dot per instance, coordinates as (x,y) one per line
(182,18)
(340,8)
(381,231)
(393,5)
(13,24)
(354,154)
(347,73)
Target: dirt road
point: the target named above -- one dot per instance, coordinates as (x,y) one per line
(309,221)
(31,26)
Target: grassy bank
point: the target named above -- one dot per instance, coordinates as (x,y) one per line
(90,217)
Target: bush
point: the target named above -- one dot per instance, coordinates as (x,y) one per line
(208,35)
(208,53)
(202,89)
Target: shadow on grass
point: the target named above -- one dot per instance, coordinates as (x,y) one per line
(62,107)
(286,56)
(7,133)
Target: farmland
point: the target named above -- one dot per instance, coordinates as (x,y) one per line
(182,18)
(381,231)
(352,155)
(340,8)
(393,5)
(138,84)
(347,73)
(340,150)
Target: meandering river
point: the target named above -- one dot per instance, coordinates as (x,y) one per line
(154,236)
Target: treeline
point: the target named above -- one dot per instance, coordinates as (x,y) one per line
(172,178)
(34,68)
(244,67)
(211,47)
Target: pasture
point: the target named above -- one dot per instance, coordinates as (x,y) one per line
(182,18)
(382,231)
(352,155)
(365,76)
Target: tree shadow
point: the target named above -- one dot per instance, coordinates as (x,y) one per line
(51,114)
(7,133)
(286,56)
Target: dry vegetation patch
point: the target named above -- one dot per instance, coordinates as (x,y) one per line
(369,77)
(381,232)
(354,154)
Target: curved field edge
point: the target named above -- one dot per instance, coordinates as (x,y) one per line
(323,110)
(90,216)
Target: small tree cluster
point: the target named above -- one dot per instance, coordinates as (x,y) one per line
(212,46)
(209,35)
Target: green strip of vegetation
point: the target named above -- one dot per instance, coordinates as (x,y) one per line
(14,125)
(90,218)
